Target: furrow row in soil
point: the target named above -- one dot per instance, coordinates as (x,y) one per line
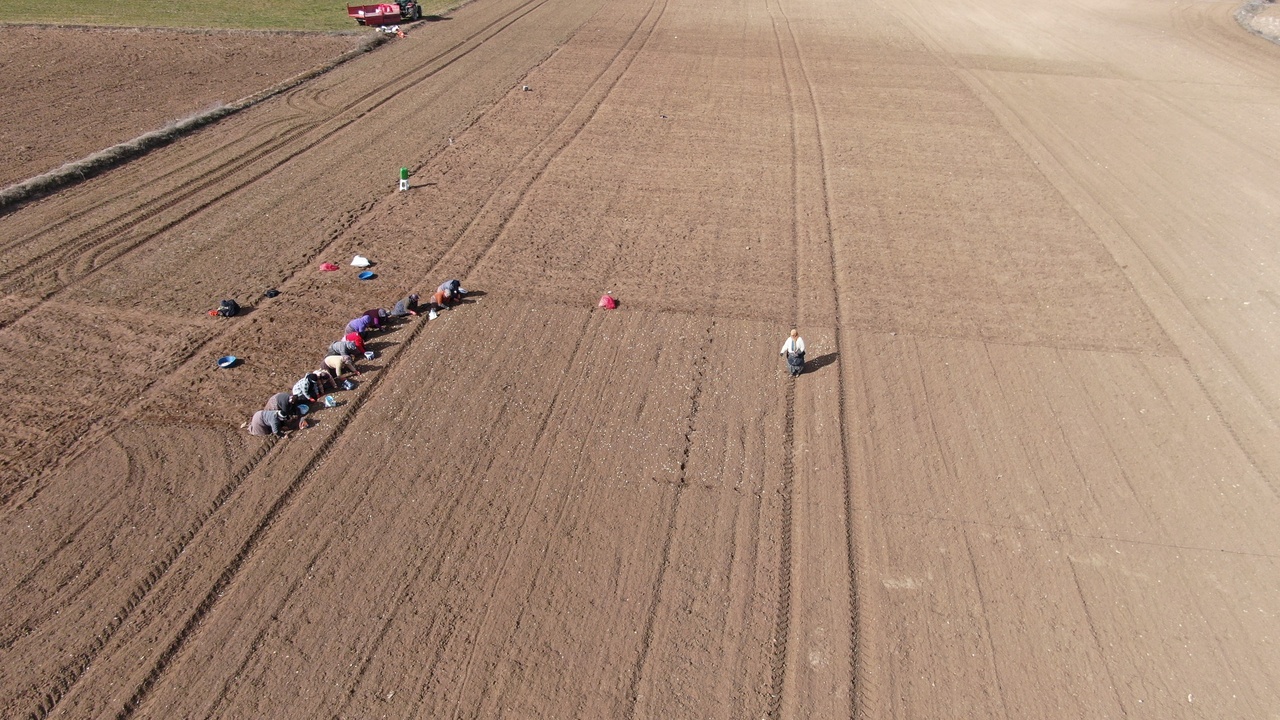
(229,573)
(68,676)
(680,482)
(489,224)
(258,163)
(468,667)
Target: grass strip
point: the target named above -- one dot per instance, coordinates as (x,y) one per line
(308,15)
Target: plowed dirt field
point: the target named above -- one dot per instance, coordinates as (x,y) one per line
(1031,470)
(70,93)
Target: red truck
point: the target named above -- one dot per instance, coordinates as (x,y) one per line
(385,13)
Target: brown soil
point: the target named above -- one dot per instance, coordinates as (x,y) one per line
(1031,471)
(71,92)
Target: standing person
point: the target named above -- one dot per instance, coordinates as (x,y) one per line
(793,349)
(339,364)
(407,306)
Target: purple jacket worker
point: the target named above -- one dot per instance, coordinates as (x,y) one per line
(361,325)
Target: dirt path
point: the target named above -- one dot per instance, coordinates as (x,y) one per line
(1028,474)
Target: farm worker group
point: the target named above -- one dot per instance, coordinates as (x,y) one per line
(340,361)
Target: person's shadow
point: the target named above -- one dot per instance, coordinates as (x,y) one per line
(820,362)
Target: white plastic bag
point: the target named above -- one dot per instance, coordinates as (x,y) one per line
(360,261)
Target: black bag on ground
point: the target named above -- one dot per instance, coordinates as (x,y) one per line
(228,308)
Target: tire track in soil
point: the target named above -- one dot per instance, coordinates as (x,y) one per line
(70,674)
(96,238)
(808,104)
(152,181)
(98,241)
(264,525)
(679,486)
(237,563)
(782,630)
(88,246)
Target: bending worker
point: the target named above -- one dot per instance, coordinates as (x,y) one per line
(350,344)
(267,422)
(285,403)
(448,294)
(407,306)
(339,364)
(313,384)
(361,325)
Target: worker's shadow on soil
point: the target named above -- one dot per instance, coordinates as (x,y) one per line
(434,18)
(820,362)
